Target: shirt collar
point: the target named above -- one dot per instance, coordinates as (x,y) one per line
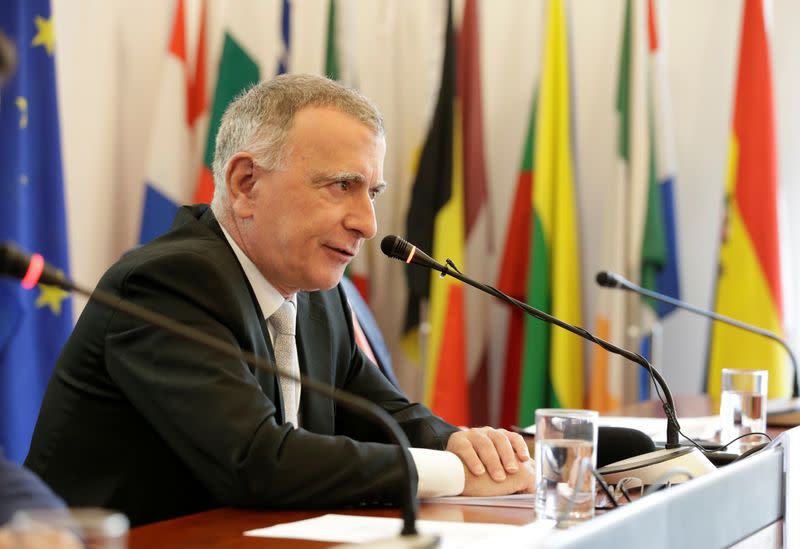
(269,299)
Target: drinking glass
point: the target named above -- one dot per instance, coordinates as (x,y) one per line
(90,527)
(566,453)
(743,406)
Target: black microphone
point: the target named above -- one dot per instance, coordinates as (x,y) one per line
(397,248)
(33,270)
(610,279)
(650,466)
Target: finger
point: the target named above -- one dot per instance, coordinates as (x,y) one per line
(504,450)
(519,445)
(460,445)
(487,452)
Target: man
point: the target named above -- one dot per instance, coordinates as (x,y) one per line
(140,420)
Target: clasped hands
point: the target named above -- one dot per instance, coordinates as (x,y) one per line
(496,461)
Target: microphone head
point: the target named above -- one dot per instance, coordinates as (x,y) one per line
(32,270)
(395,247)
(13,262)
(607,280)
(399,248)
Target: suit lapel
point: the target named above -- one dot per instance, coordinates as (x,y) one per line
(268,381)
(254,322)
(316,361)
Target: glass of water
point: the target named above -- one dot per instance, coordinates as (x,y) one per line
(743,406)
(566,452)
(76,528)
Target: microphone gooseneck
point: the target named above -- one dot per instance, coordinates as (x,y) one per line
(396,244)
(610,279)
(16,264)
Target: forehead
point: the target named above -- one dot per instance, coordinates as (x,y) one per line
(329,118)
(326,131)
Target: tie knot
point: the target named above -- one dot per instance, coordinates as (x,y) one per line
(283,320)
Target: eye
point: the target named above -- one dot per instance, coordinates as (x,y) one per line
(344,185)
(375,192)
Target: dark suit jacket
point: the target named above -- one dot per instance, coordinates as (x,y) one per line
(139,420)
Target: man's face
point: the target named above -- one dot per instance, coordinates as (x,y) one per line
(302,225)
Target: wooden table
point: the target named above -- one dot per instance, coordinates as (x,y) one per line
(223,527)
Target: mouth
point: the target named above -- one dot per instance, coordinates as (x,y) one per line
(346,254)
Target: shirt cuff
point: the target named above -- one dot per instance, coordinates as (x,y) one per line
(440,473)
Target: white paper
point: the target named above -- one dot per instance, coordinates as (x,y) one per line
(357,529)
(704,427)
(524,501)
(782,405)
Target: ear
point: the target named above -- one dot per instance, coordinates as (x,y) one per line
(240,179)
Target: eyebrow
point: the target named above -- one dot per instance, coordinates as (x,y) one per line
(320,177)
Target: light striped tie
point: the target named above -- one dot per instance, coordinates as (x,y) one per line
(283,321)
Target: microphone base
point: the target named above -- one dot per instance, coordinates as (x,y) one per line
(417,541)
(655,467)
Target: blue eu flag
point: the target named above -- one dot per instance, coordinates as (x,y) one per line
(34,324)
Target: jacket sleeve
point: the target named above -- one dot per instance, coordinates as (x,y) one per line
(423,429)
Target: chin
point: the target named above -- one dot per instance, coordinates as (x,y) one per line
(328,282)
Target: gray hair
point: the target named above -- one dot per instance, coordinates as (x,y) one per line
(259,120)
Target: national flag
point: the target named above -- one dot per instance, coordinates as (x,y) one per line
(436,222)
(477,213)
(640,241)
(749,281)
(35,324)
(239,69)
(544,366)
(513,280)
(172,165)
(659,249)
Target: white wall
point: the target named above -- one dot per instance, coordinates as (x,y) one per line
(110,57)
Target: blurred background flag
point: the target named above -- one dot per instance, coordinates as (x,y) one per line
(435,222)
(544,366)
(607,385)
(239,69)
(749,281)
(477,213)
(513,280)
(34,324)
(172,162)
(659,251)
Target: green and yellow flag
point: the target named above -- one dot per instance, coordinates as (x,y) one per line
(544,365)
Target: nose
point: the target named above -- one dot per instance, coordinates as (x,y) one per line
(360,217)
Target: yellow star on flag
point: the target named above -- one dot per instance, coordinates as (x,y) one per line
(51,296)
(45,34)
(22,106)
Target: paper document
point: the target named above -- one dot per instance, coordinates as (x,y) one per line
(353,529)
(525,501)
(783,405)
(704,427)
